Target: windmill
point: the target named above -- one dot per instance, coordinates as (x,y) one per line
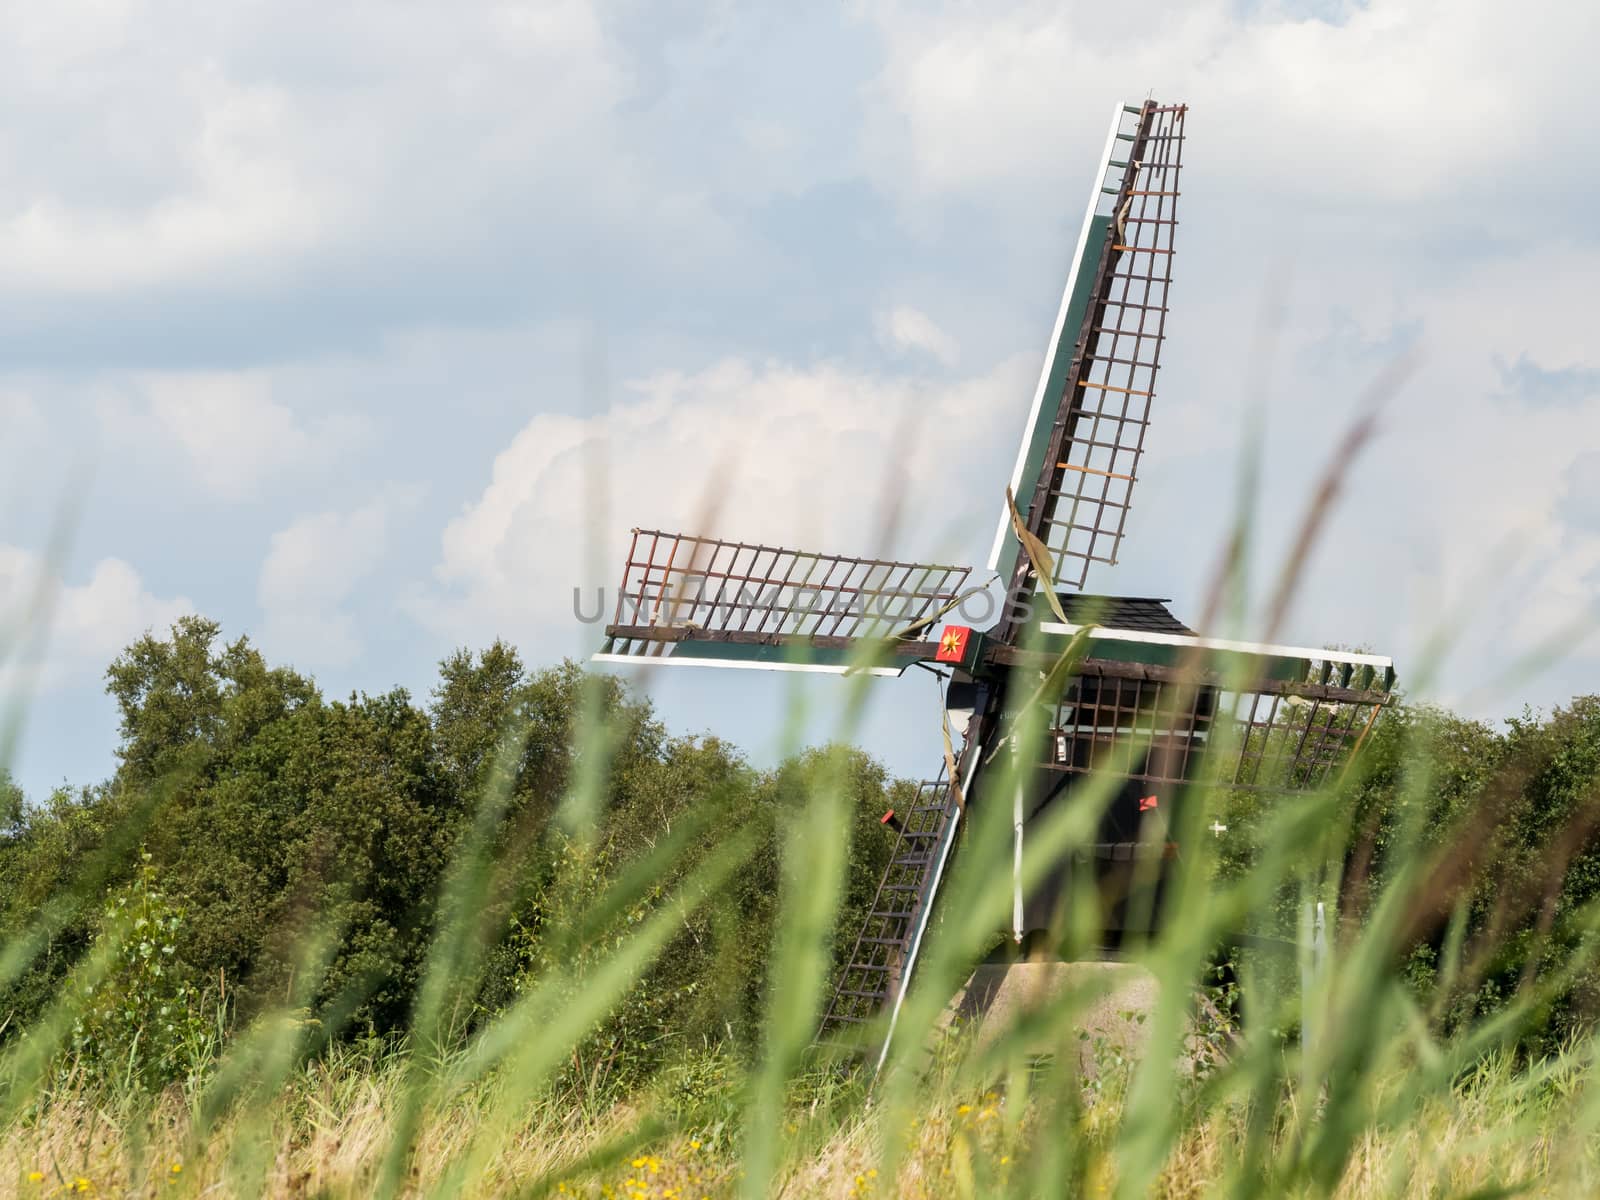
(1145,699)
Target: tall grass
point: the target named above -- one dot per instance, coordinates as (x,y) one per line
(1387,1098)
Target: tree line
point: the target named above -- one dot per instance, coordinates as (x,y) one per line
(258,817)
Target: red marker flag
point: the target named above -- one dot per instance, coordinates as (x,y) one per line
(1147,803)
(953,643)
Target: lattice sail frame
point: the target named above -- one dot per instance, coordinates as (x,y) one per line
(1233,730)
(739,599)
(1081,451)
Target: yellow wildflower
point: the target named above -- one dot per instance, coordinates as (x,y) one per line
(35,1176)
(963,1110)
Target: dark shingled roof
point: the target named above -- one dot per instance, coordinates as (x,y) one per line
(1139,613)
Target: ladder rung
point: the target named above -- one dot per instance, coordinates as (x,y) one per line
(1122,301)
(1106,387)
(1093,471)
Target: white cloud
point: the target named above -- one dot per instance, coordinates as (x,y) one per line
(312,569)
(18,411)
(236,197)
(907,328)
(1399,101)
(84,625)
(22,426)
(164,150)
(1580,493)
(227,427)
(819,457)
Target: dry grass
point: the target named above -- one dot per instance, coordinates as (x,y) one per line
(326,1133)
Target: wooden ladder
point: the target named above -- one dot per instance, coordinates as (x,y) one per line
(880,963)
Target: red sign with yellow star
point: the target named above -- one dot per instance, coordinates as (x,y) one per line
(953,643)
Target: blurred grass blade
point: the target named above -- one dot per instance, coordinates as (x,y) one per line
(815,850)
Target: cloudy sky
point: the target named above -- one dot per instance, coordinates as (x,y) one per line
(367,330)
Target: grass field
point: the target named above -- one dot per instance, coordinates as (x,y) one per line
(521,943)
(327,1134)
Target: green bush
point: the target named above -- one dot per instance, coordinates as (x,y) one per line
(142,1020)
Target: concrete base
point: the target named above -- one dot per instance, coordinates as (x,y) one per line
(1112,1002)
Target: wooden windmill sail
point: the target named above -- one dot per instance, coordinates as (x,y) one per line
(1147,702)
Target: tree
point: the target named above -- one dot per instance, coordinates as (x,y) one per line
(284,817)
(42,859)
(11,802)
(183,701)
